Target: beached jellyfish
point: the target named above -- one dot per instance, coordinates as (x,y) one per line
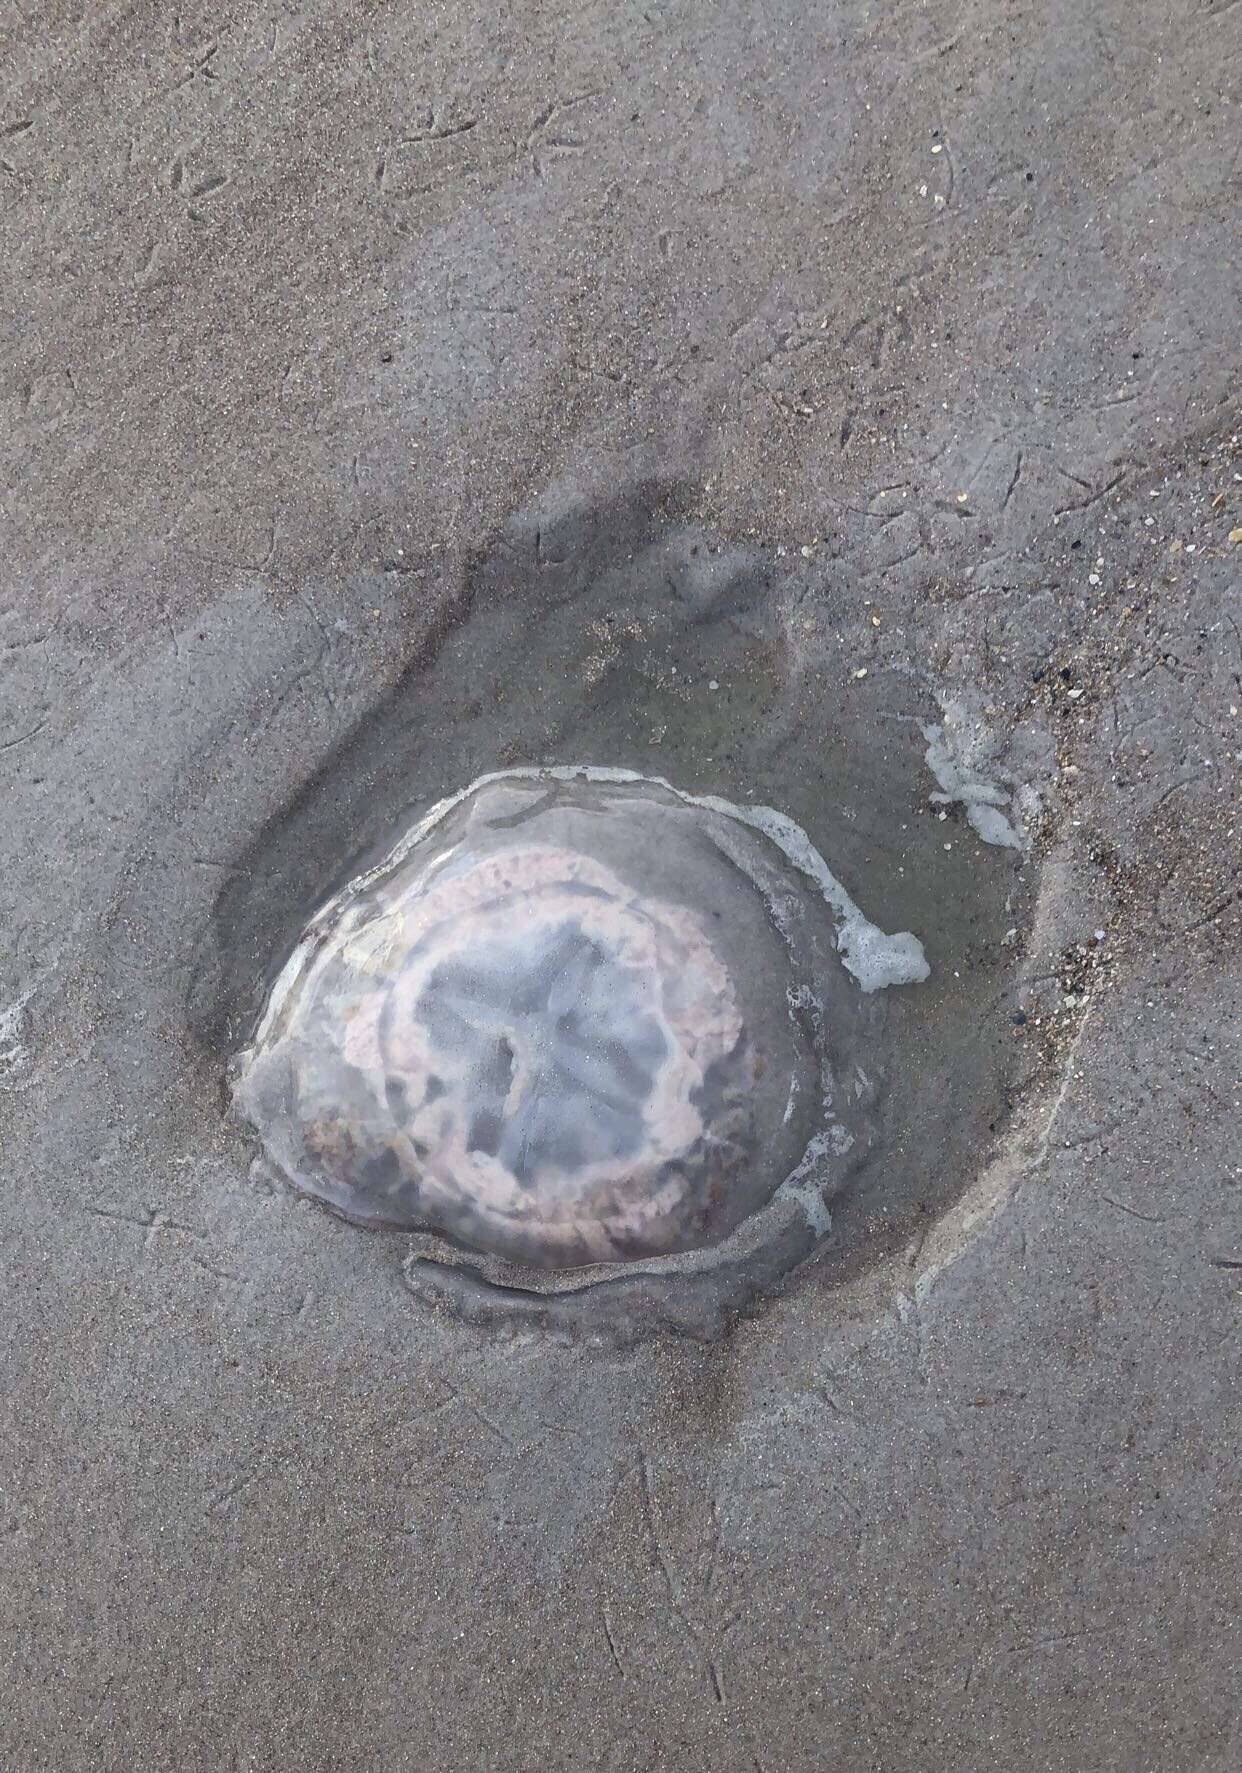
(577,1022)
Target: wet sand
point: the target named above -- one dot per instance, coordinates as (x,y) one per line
(391,396)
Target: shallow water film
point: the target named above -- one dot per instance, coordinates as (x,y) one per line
(578,1018)
(620,962)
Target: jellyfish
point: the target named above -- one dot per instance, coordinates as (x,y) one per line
(577,1022)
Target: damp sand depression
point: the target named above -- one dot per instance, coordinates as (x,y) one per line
(626,963)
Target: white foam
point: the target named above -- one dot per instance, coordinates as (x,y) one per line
(952,756)
(875,958)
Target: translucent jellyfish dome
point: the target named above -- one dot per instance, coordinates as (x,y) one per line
(577,1020)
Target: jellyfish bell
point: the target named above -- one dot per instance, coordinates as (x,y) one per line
(575,1025)
(558,1067)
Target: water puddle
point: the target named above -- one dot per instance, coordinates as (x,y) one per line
(631,957)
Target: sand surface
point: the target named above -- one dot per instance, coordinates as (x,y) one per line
(315,319)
